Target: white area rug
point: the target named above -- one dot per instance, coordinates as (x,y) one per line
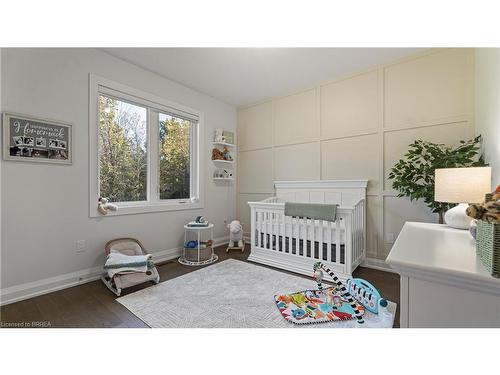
(229,294)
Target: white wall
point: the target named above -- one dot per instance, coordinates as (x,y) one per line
(1,164)
(45,207)
(488,106)
(358,127)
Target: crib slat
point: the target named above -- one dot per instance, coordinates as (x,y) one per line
(303,235)
(271,231)
(282,231)
(313,237)
(337,241)
(259,229)
(299,235)
(358,231)
(348,244)
(355,233)
(276,230)
(363,228)
(290,237)
(320,241)
(306,235)
(264,229)
(295,236)
(329,238)
(358,226)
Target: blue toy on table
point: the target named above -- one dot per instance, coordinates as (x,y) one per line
(191,245)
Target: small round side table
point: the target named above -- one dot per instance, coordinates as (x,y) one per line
(200,233)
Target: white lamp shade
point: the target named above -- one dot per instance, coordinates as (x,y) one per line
(462,185)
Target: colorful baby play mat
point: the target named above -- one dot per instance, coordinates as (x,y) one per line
(315,306)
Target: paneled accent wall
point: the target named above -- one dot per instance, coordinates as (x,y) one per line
(358,127)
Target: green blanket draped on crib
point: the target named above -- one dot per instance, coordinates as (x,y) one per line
(311,210)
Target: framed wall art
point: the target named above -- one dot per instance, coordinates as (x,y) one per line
(33,139)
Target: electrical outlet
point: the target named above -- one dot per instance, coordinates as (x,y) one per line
(80,246)
(389,238)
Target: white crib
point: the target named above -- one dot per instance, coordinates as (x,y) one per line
(295,244)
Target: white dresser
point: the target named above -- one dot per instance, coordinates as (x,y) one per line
(443,283)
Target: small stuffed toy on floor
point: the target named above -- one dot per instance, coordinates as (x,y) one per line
(103,206)
(235,236)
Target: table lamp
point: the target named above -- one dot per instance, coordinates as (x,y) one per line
(462,186)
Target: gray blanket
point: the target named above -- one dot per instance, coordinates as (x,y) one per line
(311,210)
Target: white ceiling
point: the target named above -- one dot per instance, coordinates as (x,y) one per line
(242,76)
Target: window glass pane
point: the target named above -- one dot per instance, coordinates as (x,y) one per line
(122,150)
(174,157)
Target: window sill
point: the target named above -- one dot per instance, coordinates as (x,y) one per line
(146,207)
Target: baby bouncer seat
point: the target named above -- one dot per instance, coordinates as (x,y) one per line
(128,275)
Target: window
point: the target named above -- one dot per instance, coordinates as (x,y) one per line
(175,166)
(144,151)
(123,151)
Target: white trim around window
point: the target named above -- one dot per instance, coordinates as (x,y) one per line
(99,85)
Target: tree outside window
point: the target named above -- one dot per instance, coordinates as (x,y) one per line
(123,152)
(174,157)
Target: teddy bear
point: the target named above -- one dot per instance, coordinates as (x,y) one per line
(217,154)
(103,206)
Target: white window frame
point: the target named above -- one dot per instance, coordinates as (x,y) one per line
(103,86)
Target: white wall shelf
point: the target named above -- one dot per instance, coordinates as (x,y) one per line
(223,161)
(224,168)
(224,144)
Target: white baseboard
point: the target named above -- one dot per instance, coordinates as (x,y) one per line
(36,288)
(378,264)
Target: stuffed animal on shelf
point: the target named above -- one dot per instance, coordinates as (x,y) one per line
(489,210)
(217,154)
(219,135)
(226,154)
(221,155)
(103,206)
(235,236)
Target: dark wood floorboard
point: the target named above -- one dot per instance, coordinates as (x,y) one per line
(92,305)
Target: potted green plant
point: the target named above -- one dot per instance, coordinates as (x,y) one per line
(413,176)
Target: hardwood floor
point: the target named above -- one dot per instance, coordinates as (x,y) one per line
(92,305)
